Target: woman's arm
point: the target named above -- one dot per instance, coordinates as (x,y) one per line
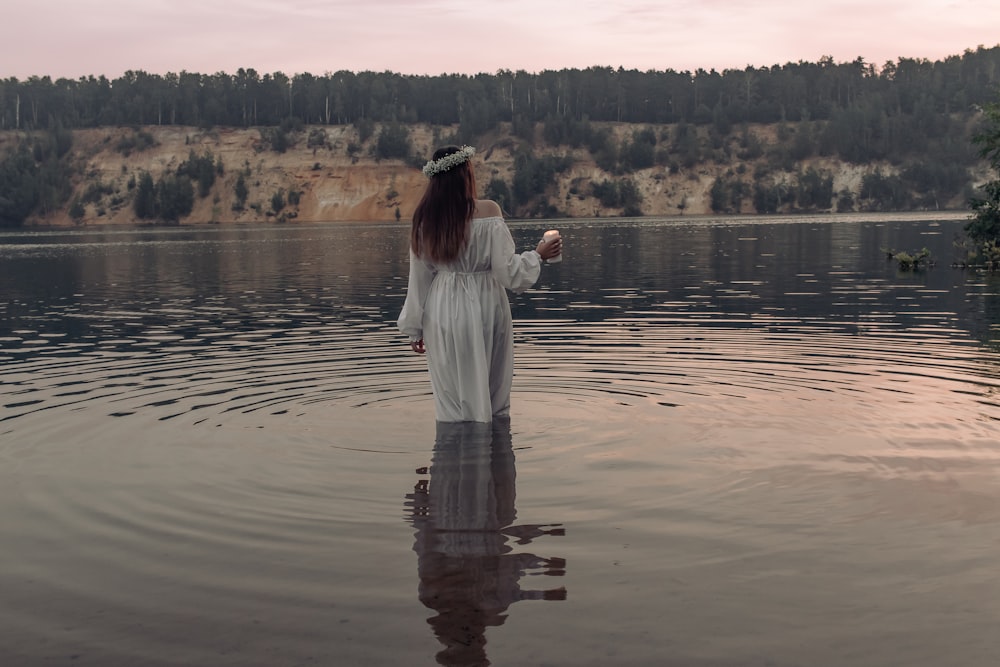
(515,271)
(411,318)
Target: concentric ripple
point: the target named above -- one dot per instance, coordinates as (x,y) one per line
(209,439)
(198,373)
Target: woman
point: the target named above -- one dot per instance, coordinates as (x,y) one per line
(462,256)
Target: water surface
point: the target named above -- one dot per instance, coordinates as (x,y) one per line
(732,442)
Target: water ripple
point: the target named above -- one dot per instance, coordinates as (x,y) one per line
(205,448)
(204,373)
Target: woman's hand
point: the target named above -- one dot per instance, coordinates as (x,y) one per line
(549,248)
(418,346)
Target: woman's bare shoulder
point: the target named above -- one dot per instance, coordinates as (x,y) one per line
(486,208)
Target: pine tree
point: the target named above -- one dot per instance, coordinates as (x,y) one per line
(145,197)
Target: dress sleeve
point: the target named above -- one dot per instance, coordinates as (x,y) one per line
(515,271)
(411,318)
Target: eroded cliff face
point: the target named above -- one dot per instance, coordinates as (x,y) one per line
(332,184)
(340,180)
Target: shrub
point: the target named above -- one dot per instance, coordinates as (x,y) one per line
(278,201)
(317,138)
(77,210)
(174,197)
(241,191)
(393,142)
(498,191)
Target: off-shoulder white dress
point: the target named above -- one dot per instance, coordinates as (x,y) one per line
(461,311)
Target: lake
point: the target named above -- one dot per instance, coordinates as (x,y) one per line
(732,442)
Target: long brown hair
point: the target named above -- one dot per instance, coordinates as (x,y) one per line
(441,219)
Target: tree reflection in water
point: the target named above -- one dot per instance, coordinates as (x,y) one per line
(466,539)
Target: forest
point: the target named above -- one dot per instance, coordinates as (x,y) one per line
(913,118)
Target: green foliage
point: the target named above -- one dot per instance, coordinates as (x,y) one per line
(291,124)
(476,116)
(276,138)
(278,201)
(984,227)
(984,254)
(62,139)
(138,140)
(619,194)
(393,142)
(814,190)
(631,198)
(95,191)
(170,199)
(498,191)
(702,115)
(77,210)
(279,139)
(145,197)
(687,145)
(721,196)
(880,192)
(751,147)
(556,131)
(201,170)
(606,155)
(640,152)
(802,145)
(935,181)
(768,198)
(779,158)
(35,176)
(241,191)
(317,138)
(54,170)
(365,128)
(607,193)
(523,128)
(911,261)
(174,197)
(721,121)
(985,223)
(911,114)
(904,105)
(845,201)
(532,176)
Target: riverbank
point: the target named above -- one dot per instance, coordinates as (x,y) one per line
(330,173)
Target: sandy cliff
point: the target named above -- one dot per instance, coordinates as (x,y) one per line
(341,180)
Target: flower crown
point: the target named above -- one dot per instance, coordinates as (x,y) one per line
(462,155)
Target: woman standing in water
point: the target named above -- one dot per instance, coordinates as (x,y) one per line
(462,257)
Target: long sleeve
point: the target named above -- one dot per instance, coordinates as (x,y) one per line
(515,271)
(411,318)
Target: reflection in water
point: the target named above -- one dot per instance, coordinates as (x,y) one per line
(464,519)
(206,419)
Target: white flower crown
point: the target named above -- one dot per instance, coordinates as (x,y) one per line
(462,155)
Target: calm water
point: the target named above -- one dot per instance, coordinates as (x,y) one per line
(731,443)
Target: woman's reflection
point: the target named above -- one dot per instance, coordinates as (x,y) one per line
(464,519)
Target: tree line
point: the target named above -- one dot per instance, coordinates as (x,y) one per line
(849,93)
(916,115)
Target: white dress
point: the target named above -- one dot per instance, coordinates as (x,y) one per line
(461,311)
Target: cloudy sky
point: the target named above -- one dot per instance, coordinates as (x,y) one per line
(71,38)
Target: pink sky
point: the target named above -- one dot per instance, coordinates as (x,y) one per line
(70,38)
